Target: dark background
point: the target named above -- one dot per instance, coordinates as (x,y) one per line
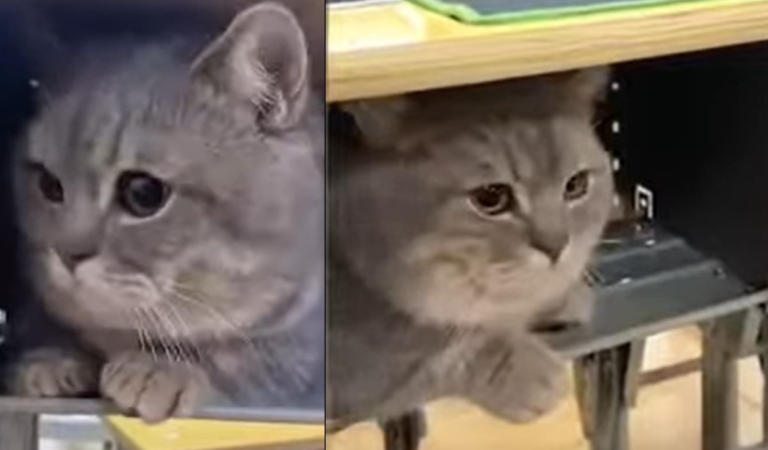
(694,129)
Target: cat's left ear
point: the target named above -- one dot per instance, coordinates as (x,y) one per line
(380,120)
(262,58)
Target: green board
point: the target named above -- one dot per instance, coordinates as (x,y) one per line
(505,11)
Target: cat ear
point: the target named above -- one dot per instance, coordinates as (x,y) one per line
(378,120)
(262,58)
(589,85)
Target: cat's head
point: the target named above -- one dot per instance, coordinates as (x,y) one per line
(474,205)
(179,194)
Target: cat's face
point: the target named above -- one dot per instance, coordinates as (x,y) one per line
(176,199)
(480,220)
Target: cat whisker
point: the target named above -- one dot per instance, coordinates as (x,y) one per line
(180,318)
(178,353)
(219,335)
(139,330)
(191,296)
(165,330)
(169,315)
(160,332)
(215,314)
(270,363)
(144,333)
(175,341)
(145,345)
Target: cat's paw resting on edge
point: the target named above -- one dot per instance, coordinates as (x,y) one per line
(521,383)
(154,389)
(53,372)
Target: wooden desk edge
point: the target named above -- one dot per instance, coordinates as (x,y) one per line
(507,51)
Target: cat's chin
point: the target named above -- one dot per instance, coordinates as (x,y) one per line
(489,319)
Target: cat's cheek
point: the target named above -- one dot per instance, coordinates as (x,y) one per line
(56,287)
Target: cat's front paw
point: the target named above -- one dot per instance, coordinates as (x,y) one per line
(523,385)
(54,372)
(155,390)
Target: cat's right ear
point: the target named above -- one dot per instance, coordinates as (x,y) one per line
(378,120)
(263,59)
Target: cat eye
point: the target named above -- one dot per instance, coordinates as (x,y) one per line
(47,183)
(577,186)
(141,194)
(492,199)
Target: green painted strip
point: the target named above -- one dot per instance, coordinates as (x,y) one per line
(468,11)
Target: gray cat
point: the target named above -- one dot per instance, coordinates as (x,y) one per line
(460,220)
(172,205)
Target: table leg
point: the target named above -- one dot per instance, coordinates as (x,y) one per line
(18,431)
(635,370)
(763,358)
(723,339)
(601,392)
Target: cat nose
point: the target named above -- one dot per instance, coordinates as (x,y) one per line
(550,242)
(73,259)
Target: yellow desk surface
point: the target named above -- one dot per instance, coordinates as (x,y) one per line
(392,48)
(215,435)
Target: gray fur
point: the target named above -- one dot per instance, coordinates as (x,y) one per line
(228,275)
(429,297)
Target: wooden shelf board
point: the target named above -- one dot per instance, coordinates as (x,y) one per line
(393,48)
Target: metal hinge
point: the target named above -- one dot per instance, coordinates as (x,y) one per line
(644,202)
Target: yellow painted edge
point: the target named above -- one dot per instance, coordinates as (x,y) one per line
(213,435)
(393,48)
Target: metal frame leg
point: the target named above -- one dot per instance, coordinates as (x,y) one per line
(602,394)
(404,432)
(635,370)
(763,358)
(725,340)
(18,431)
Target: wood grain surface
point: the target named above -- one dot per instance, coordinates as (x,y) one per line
(397,47)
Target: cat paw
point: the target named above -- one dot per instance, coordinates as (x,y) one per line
(54,373)
(546,389)
(528,384)
(155,390)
